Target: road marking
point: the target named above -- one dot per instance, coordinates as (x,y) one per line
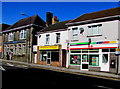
(10,64)
(22,66)
(104,87)
(2,68)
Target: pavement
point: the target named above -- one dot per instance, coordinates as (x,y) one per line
(104,75)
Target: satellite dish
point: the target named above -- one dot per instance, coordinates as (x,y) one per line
(81,30)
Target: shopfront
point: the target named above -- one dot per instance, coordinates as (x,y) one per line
(50,55)
(98,57)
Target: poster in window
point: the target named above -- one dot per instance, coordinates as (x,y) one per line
(75,59)
(94,60)
(84,59)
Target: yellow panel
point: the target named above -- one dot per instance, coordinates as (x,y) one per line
(48,47)
(112,41)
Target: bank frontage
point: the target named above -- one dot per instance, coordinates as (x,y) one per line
(96,56)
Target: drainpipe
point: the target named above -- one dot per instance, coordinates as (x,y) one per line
(118,59)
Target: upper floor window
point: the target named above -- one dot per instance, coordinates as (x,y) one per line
(22,34)
(10,36)
(94,30)
(47,38)
(57,37)
(75,33)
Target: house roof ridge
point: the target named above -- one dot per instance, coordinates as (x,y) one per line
(97,14)
(26,21)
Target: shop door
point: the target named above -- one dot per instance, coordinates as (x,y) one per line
(84,62)
(48,57)
(105,62)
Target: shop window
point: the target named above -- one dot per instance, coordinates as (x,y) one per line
(105,58)
(15,49)
(43,56)
(24,48)
(105,50)
(93,60)
(75,59)
(112,50)
(54,56)
(19,49)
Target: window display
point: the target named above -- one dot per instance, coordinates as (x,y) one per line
(75,59)
(43,56)
(84,58)
(93,60)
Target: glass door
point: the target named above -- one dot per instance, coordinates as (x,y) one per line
(84,62)
(48,57)
(105,62)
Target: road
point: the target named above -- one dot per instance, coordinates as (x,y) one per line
(25,78)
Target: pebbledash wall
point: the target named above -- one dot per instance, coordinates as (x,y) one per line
(52,53)
(94,44)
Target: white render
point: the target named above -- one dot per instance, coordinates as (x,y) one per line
(63,38)
(108,30)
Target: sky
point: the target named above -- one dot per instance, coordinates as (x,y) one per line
(63,10)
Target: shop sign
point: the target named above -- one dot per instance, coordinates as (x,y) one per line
(118,51)
(0,48)
(48,47)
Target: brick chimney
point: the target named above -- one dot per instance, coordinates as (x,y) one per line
(49,17)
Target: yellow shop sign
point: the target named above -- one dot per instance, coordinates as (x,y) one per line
(48,47)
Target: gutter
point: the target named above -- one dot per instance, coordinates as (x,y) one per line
(92,20)
(21,27)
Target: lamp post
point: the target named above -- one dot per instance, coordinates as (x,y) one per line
(28,40)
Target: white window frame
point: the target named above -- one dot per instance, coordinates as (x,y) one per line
(10,36)
(22,34)
(94,30)
(57,37)
(75,32)
(47,38)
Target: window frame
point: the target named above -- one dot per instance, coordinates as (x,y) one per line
(23,34)
(47,38)
(11,36)
(57,37)
(94,30)
(75,33)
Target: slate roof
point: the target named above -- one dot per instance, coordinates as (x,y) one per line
(56,26)
(98,14)
(27,21)
(4,26)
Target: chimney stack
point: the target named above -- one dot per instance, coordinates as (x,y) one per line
(55,20)
(49,17)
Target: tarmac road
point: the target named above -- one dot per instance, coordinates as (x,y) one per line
(34,78)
